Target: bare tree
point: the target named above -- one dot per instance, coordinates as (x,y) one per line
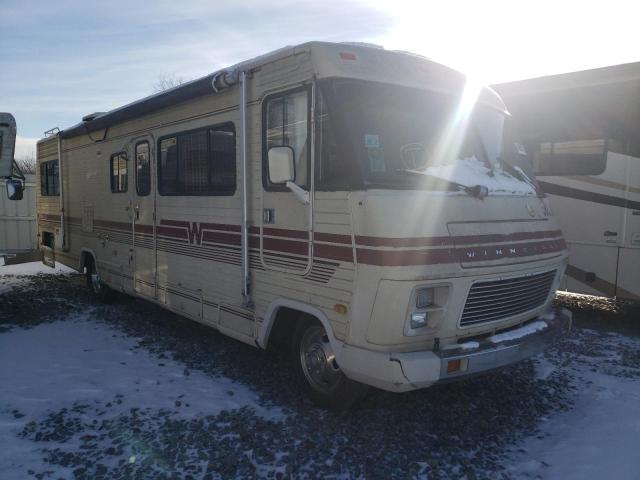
(166,81)
(27,163)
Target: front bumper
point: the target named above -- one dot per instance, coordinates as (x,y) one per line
(399,372)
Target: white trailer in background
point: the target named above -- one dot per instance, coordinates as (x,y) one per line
(18,219)
(582,132)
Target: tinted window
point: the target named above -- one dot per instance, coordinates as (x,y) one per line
(118,169)
(287,124)
(199,162)
(576,157)
(49,178)
(143,169)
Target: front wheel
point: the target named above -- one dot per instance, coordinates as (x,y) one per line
(97,287)
(318,370)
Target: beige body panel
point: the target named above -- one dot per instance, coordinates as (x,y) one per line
(333,257)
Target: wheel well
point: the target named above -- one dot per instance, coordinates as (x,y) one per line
(86,259)
(284,326)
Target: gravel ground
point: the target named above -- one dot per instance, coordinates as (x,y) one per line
(469,429)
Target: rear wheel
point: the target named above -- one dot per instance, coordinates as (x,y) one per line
(318,370)
(98,288)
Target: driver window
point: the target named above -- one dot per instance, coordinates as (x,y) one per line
(287,123)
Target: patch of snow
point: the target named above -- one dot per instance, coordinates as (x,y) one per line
(597,438)
(471,345)
(528,329)
(51,366)
(34,268)
(12,275)
(470,171)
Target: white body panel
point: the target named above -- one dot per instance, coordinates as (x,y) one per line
(600,219)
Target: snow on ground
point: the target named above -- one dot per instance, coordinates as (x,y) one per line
(11,275)
(80,362)
(600,436)
(117,391)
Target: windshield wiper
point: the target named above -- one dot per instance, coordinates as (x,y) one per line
(477,191)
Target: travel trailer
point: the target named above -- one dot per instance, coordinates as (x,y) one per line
(582,132)
(351,203)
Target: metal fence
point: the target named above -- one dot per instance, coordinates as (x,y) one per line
(18,219)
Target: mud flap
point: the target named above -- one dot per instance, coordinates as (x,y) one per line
(48,256)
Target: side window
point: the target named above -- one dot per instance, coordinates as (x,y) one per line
(286,123)
(143,169)
(576,157)
(223,159)
(49,179)
(199,162)
(118,169)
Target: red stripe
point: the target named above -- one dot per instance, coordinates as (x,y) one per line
(332,238)
(396,258)
(444,241)
(218,237)
(403,242)
(342,254)
(404,257)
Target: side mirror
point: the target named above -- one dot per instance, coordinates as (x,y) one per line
(15,189)
(281,165)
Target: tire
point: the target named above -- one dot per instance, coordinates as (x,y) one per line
(99,290)
(317,370)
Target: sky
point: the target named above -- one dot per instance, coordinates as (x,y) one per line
(62,60)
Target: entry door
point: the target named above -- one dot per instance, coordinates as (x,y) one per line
(143,225)
(286,229)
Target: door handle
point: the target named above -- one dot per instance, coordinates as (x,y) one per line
(269,215)
(137,210)
(609,233)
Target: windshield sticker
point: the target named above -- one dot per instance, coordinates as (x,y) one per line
(371,141)
(520,149)
(376,160)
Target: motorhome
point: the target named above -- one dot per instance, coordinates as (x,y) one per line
(581,130)
(352,203)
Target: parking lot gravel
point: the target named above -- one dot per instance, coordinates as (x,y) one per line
(472,429)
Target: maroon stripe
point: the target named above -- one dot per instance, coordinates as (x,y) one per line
(142,228)
(404,257)
(175,223)
(466,255)
(332,238)
(171,232)
(111,224)
(286,246)
(453,240)
(47,216)
(342,254)
(217,237)
(221,226)
(403,242)
(281,232)
(498,238)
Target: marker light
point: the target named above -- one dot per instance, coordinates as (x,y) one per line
(347,56)
(424,298)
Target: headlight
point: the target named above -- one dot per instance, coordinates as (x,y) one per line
(426,309)
(418,319)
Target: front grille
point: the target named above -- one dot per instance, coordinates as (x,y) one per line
(499,299)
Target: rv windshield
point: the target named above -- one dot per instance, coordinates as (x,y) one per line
(410,139)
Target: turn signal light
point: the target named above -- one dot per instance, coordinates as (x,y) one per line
(454,366)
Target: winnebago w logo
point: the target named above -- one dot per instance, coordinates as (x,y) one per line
(194,230)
